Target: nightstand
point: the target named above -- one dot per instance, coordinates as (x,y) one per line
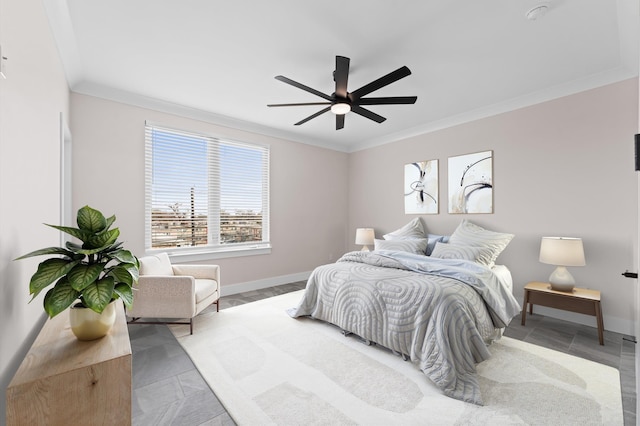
(580,300)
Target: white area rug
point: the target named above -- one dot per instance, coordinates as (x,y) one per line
(268,368)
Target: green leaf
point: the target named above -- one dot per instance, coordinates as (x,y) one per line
(102,240)
(113,248)
(134,270)
(97,295)
(49,271)
(74,232)
(110,221)
(123,256)
(83,251)
(59,298)
(48,250)
(122,275)
(126,294)
(83,275)
(91,220)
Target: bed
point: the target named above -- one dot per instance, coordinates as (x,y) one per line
(437,303)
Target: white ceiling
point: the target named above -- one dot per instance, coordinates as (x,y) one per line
(216,60)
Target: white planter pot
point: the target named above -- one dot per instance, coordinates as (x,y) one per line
(89,325)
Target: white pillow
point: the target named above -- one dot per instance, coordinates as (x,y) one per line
(469,234)
(158,264)
(452,251)
(413,229)
(413,245)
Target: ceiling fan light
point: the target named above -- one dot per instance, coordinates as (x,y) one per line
(340,108)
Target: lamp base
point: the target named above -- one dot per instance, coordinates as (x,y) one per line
(365,248)
(561,279)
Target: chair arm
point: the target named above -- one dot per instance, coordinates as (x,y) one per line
(156,296)
(210,272)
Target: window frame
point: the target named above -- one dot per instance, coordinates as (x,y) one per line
(209,251)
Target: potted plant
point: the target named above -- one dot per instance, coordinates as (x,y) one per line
(96,272)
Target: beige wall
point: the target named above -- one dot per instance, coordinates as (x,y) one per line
(31,100)
(308,187)
(561,168)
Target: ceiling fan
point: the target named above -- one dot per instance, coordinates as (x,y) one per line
(341,102)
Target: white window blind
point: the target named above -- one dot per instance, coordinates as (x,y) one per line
(204,193)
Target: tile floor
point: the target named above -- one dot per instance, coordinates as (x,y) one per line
(168,390)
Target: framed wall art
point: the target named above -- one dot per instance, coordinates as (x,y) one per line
(471,183)
(421,187)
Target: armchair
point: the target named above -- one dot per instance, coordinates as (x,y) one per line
(173,291)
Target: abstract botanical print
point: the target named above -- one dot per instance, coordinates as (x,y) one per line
(421,187)
(471,183)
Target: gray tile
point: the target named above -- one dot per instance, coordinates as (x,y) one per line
(162,416)
(198,408)
(550,338)
(157,363)
(159,394)
(586,345)
(222,420)
(518,331)
(192,382)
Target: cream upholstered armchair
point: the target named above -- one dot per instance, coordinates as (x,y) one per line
(173,291)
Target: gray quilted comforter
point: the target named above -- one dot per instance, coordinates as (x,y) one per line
(441,313)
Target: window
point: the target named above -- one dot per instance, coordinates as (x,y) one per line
(205,194)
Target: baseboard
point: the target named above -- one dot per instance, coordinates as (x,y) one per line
(611,323)
(228,290)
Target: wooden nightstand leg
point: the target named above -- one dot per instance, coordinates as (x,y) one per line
(600,323)
(524,307)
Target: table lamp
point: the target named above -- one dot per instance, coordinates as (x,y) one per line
(562,252)
(365,237)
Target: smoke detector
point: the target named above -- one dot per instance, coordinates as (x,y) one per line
(537,12)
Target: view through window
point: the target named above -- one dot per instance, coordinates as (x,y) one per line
(204,192)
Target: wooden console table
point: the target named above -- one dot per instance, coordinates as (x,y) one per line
(65,381)
(580,300)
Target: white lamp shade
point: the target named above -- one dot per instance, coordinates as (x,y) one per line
(365,236)
(562,251)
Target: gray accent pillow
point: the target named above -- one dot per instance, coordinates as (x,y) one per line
(413,229)
(470,234)
(413,245)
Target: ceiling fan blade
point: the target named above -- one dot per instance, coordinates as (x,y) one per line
(312,116)
(368,114)
(381,82)
(303,87)
(341,76)
(300,104)
(339,121)
(392,100)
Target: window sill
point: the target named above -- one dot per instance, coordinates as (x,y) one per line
(212,254)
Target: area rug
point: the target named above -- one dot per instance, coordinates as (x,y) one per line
(268,368)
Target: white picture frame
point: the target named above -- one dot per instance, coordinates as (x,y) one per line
(471,183)
(421,187)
